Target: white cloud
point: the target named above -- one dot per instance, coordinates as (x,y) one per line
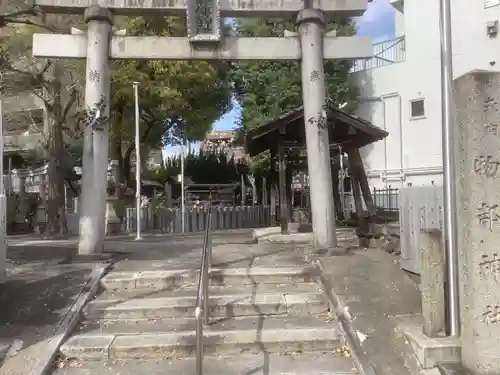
(377,10)
(378,21)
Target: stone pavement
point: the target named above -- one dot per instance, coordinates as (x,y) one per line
(37,298)
(377,298)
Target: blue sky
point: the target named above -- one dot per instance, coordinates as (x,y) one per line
(377,22)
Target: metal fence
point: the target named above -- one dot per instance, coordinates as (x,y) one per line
(384,53)
(169,220)
(386,199)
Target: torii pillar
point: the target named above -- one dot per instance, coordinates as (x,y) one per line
(96,133)
(311,28)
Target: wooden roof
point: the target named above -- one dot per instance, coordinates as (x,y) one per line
(344,129)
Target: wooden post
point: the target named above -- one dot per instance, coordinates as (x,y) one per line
(273,189)
(289,192)
(243,190)
(359,171)
(264,191)
(272,204)
(282,187)
(336,194)
(356,193)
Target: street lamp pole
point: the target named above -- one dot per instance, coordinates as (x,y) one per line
(137,163)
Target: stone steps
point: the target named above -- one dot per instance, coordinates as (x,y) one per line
(221,306)
(245,364)
(265,320)
(215,290)
(183,344)
(149,326)
(228,276)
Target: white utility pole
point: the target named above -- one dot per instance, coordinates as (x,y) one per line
(449,172)
(137,164)
(183,200)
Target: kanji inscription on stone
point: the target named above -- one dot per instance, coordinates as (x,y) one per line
(492,128)
(205,17)
(203,20)
(486,166)
(94,76)
(489,267)
(488,214)
(491,314)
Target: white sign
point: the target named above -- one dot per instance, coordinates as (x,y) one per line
(491,3)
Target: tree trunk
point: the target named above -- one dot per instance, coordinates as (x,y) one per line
(56,213)
(116,151)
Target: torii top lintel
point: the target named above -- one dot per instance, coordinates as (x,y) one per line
(228,8)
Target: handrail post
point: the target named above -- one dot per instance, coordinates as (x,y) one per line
(199,342)
(202,313)
(208,256)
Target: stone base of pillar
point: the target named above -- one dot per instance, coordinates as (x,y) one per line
(113,223)
(431,351)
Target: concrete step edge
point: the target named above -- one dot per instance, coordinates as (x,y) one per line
(262,322)
(228,306)
(215,290)
(163,278)
(179,344)
(319,363)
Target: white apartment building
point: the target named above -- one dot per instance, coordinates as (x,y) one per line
(401,86)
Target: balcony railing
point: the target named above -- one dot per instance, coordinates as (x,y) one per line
(384,53)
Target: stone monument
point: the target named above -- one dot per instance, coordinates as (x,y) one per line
(477,98)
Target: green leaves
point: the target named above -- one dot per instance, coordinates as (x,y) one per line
(267,89)
(176,97)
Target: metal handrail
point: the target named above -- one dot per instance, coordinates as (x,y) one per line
(201,312)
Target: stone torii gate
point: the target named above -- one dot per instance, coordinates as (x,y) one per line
(203,42)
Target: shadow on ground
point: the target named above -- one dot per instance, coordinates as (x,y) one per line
(35,300)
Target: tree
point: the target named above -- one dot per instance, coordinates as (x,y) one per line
(54,83)
(267,89)
(178,100)
(200,167)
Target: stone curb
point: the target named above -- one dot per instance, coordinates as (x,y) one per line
(291,238)
(362,363)
(44,364)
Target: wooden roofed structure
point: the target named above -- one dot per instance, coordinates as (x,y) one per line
(347,133)
(346,130)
